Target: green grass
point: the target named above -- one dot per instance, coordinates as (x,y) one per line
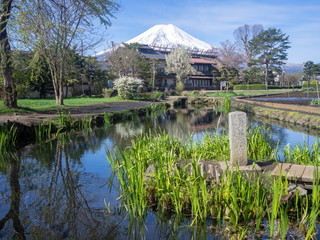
(40,105)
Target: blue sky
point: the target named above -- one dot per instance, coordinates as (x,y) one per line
(214,21)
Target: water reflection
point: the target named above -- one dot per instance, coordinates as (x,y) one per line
(58,189)
(12,161)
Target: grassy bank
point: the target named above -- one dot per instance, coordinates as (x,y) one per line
(41,105)
(234,93)
(15,135)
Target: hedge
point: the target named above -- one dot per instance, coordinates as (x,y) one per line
(250,87)
(313,84)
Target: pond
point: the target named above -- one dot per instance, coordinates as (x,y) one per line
(63,190)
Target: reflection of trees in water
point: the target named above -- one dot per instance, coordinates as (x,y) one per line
(129,129)
(59,206)
(15,196)
(181,123)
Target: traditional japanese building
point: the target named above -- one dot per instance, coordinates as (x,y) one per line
(200,77)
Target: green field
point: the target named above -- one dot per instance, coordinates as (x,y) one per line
(40,105)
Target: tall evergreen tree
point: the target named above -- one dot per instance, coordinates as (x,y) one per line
(269,48)
(310,69)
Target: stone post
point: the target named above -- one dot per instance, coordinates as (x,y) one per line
(238,138)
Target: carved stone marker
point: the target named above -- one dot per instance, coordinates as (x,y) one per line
(238,138)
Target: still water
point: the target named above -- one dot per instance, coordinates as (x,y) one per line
(60,189)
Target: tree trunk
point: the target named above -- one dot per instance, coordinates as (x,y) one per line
(266,77)
(9,91)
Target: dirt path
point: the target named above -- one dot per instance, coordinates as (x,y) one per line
(76,112)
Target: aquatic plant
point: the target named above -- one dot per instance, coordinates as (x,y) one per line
(157,109)
(302,154)
(43,131)
(225,107)
(162,173)
(65,119)
(315,102)
(260,144)
(85,122)
(8,136)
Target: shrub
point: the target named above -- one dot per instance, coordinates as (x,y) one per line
(171,92)
(179,87)
(107,92)
(128,87)
(157,95)
(146,96)
(196,93)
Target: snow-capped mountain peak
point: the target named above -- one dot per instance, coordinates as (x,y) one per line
(169,36)
(163,35)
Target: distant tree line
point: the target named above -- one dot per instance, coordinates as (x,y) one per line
(259,56)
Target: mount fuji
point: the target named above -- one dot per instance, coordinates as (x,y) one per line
(166,36)
(169,36)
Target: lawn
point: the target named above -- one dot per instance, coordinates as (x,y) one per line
(40,105)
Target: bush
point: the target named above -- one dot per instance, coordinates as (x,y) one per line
(171,92)
(196,93)
(157,95)
(107,92)
(179,87)
(128,87)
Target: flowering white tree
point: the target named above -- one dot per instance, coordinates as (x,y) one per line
(178,62)
(128,87)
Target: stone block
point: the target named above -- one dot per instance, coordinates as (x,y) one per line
(238,138)
(295,172)
(308,174)
(281,168)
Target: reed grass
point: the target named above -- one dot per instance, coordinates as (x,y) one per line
(44,131)
(8,136)
(302,153)
(65,119)
(176,186)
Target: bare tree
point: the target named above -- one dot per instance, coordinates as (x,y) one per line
(229,56)
(243,35)
(54,27)
(126,61)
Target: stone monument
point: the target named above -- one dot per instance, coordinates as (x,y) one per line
(238,138)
